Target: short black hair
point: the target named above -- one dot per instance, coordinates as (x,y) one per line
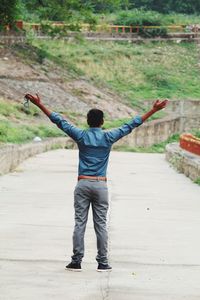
(95,117)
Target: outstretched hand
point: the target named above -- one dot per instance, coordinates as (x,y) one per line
(34,99)
(158,105)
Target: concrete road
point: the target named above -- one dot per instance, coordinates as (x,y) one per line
(154,230)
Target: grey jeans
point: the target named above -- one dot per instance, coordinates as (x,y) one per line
(92,192)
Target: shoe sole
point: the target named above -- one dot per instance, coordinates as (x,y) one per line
(109,270)
(73,270)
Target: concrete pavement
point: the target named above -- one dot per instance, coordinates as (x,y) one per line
(154,230)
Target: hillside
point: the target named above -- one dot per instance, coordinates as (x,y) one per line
(137,72)
(72,77)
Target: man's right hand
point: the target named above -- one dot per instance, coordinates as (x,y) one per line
(34,99)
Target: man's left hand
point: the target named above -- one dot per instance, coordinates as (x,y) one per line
(158,105)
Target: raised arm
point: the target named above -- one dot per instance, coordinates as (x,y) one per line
(158,105)
(116,134)
(71,130)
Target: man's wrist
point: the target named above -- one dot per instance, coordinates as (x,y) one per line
(40,105)
(153,110)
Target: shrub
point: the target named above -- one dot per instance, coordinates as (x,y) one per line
(140,17)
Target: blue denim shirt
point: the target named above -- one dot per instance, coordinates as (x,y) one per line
(94,143)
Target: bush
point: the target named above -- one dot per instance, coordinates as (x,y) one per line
(153,32)
(140,17)
(53,31)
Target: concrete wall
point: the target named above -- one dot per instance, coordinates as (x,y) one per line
(184,107)
(183,116)
(183,161)
(151,133)
(12,155)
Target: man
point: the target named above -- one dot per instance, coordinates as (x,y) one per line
(94,148)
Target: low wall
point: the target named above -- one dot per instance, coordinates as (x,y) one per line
(12,155)
(151,133)
(183,161)
(183,116)
(184,107)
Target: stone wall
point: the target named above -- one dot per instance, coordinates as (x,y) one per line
(12,155)
(151,133)
(183,161)
(183,116)
(184,107)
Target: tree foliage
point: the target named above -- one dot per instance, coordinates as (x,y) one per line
(82,10)
(8,12)
(167,6)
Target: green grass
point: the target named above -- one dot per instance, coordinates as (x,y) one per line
(17,134)
(136,72)
(17,110)
(197,181)
(15,120)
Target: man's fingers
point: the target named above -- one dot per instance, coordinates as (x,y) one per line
(29,96)
(165,102)
(32,98)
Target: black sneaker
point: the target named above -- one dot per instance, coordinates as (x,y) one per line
(73,266)
(104,268)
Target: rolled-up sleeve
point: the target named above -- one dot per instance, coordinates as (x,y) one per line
(116,134)
(71,130)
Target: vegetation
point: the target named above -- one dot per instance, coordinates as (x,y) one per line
(86,11)
(8,12)
(167,6)
(147,18)
(16,125)
(61,10)
(197,181)
(138,72)
(12,133)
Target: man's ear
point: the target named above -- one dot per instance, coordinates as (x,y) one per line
(102,122)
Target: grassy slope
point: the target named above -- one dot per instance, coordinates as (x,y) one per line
(16,124)
(137,72)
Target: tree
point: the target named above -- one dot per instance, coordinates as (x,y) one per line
(8,12)
(55,10)
(103,5)
(179,6)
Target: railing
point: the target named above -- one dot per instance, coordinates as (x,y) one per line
(111,28)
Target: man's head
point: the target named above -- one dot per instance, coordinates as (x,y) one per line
(95,117)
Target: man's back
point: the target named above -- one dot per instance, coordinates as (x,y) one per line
(94,144)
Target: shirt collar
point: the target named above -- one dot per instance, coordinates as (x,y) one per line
(95,128)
